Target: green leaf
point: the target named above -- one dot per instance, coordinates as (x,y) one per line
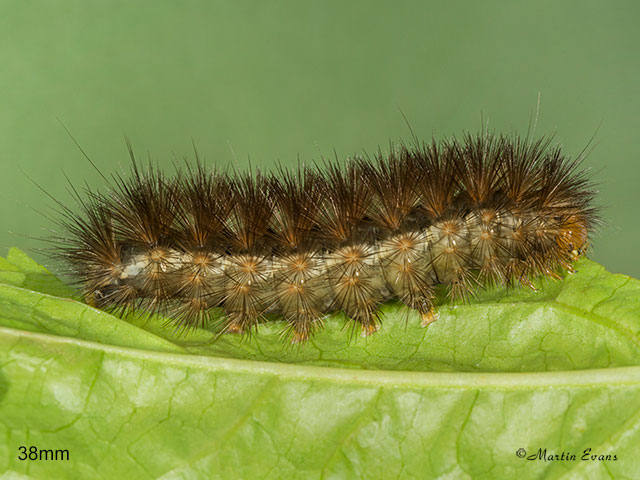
(131,398)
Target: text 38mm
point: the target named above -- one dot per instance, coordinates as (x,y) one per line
(35,453)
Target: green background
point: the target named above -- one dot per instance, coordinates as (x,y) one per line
(268,81)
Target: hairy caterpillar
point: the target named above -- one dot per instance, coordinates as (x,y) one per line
(345,237)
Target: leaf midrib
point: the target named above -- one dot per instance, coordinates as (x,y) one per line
(392,378)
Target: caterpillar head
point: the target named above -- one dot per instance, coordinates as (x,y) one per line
(573,237)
